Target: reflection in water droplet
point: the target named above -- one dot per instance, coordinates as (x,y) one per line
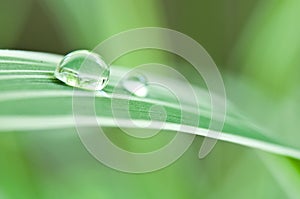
(136,84)
(83,69)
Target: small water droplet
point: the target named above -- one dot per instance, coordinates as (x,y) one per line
(83,69)
(136,84)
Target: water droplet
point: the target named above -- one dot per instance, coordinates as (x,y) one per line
(136,84)
(83,69)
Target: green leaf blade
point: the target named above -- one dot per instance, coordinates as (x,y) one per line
(32,99)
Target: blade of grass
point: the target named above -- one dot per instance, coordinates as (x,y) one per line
(44,103)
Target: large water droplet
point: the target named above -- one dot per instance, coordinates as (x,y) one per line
(136,84)
(83,69)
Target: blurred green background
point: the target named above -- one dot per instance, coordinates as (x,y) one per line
(256,46)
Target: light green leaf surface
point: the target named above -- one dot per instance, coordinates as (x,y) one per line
(32,99)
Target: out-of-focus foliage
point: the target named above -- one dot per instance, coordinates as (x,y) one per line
(12,21)
(85,25)
(269,49)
